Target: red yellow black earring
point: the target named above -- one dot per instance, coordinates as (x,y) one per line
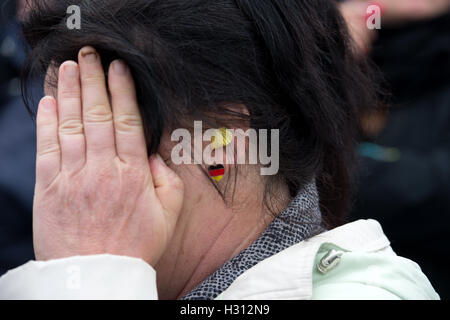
(216,172)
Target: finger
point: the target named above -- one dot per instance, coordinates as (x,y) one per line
(169,188)
(71,134)
(48,150)
(130,140)
(97,114)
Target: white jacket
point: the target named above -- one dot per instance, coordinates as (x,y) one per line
(366,268)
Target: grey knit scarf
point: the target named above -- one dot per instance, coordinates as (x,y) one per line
(299,221)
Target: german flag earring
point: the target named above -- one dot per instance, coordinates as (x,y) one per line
(223,138)
(216,172)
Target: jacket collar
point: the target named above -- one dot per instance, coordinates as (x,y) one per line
(288,274)
(299,221)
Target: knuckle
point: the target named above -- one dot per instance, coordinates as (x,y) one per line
(93,79)
(98,113)
(48,149)
(71,94)
(121,89)
(71,126)
(46,123)
(126,122)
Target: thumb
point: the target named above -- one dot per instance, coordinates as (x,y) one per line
(169,188)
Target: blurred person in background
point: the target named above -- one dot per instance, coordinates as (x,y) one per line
(405,161)
(17,147)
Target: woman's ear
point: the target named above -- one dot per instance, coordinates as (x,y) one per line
(237,112)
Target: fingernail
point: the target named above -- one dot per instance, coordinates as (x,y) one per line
(160,159)
(71,70)
(47,103)
(119,67)
(89,56)
(156,157)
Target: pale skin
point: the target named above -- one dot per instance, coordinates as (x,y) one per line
(98,192)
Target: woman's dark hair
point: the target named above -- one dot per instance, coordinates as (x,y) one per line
(290,62)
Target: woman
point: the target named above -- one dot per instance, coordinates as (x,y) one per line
(111,222)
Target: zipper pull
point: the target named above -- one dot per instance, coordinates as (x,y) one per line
(329,261)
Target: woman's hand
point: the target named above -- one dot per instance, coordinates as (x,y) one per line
(96,190)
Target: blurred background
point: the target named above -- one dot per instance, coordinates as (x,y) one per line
(404,159)
(17,148)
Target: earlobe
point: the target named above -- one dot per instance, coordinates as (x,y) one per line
(222,138)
